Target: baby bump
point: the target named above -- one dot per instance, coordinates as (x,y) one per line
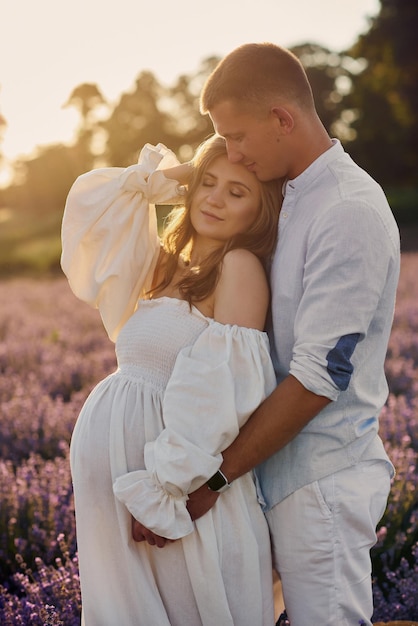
(118,417)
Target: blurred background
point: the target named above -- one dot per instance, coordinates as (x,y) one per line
(84,85)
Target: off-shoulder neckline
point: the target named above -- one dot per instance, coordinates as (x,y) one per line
(179,301)
(198,313)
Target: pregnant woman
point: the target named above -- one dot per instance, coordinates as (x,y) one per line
(187,313)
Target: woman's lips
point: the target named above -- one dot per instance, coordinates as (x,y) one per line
(212,216)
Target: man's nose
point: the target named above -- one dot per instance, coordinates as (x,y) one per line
(234,155)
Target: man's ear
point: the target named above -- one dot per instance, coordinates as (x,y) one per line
(284,118)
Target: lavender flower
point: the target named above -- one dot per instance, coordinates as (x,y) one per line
(53,349)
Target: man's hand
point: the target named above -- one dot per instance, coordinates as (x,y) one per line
(201,501)
(141,533)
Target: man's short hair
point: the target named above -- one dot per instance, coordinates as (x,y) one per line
(255,75)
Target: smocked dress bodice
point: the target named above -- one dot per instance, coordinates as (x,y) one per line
(148,344)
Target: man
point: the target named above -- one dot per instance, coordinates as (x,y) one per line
(324,473)
(321,466)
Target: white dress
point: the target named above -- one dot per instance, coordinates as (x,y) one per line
(154,430)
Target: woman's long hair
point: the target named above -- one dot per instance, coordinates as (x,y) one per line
(178,235)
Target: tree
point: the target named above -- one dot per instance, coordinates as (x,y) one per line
(187,124)
(384,96)
(88,100)
(3,125)
(329,73)
(151,113)
(42,182)
(135,121)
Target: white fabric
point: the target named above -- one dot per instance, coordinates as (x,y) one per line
(183,387)
(322,535)
(109,233)
(188,451)
(333,280)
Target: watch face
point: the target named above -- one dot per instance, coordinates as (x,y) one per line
(217,481)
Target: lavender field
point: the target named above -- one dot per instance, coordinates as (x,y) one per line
(52,351)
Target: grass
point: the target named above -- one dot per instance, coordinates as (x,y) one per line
(30,244)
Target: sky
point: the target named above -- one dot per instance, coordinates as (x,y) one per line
(49,47)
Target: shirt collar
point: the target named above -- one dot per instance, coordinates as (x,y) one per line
(311,172)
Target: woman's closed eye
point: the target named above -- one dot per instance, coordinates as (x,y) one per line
(236,194)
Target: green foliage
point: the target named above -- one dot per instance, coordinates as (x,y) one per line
(86,98)
(398,532)
(404,204)
(325,70)
(29,245)
(384,96)
(367,96)
(151,113)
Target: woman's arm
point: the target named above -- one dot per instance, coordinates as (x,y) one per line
(181,173)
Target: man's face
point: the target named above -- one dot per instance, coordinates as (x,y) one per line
(254,141)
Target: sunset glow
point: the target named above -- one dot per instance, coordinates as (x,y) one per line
(47,48)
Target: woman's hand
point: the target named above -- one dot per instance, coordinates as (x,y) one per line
(199,503)
(141,533)
(180,173)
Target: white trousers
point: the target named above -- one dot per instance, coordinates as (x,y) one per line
(321,536)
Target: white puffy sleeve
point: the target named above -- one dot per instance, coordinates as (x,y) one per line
(215,386)
(109,234)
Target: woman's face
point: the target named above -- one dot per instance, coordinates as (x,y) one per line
(226,202)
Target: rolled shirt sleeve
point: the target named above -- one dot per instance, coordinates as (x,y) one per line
(344,278)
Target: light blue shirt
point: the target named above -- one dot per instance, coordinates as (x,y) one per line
(333,280)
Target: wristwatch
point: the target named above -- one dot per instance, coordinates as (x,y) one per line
(218,482)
